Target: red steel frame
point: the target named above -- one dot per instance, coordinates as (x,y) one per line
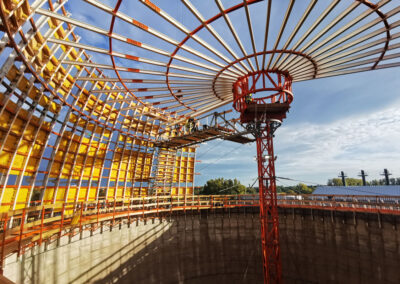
(263,124)
(268,205)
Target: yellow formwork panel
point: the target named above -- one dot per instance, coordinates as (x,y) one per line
(5,120)
(92,193)
(128,194)
(110,194)
(48,195)
(96,173)
(8,197)
(32,166)
(174,191)
(119,192)
(5,160)
(18,164)
(113,175)
(82,193)
(22,199)
(72,192)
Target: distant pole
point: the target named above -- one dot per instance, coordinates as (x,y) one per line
(386,174)
(343,176)
(363,175)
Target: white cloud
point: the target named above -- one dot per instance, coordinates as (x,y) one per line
(315,152)
(320,151)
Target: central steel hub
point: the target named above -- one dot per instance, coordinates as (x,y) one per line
(262,96)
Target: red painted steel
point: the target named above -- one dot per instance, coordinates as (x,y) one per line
(278,87)
(3,254)
(268,206)
(263,115)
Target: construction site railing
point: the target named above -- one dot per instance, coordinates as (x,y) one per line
(358,203)
(25,228)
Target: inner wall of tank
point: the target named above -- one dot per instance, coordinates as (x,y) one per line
(223,246)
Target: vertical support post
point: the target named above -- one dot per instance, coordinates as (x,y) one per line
(129,213)
(268,204)
(59,235)
(157,207)
(3,243)
(184,204)
(113,218)
(98,212)
(61,221)
(21,232)
(41,225)
(170,206)
(80,222)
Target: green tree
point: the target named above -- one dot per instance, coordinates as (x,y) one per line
(222,186)
(353,181)
(251,190)
(349,182)
(302,188)
(335,182)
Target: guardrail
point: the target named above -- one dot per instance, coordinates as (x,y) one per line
(358,203)
(25,228)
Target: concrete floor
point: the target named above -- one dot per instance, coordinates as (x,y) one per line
(223,247)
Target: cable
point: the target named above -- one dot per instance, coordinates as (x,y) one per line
(254,182)
(292,188)
(237,185)
(317,183)
(220,158)
(211,147)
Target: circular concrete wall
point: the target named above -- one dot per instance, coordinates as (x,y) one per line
(223,247)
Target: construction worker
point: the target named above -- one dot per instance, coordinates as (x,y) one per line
(178,129)
(197,126)
(248,98)
(189,125)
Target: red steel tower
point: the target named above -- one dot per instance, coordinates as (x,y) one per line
(263,115)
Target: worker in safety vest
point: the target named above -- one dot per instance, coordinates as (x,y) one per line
(248,98)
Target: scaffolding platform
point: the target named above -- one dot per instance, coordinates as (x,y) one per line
(206,134)
(218,127)
(264,111)
(271,108)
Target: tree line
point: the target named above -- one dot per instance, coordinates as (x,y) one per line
(221,186)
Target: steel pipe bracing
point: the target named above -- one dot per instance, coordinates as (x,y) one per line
(79,119)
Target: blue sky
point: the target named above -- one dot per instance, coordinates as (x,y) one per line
(341,123)
(344,123)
